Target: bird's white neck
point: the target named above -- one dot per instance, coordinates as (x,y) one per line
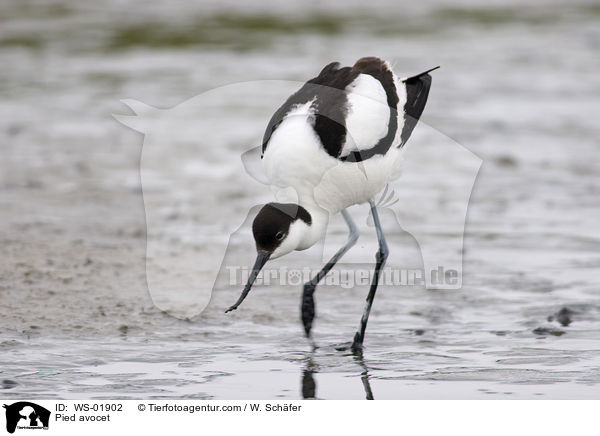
(319,220)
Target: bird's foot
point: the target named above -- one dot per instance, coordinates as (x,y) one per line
(357,345)
(308,307)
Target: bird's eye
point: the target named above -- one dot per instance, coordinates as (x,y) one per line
(279,236)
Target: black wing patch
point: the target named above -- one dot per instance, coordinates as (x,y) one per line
(379,70)
(417,91)
(330,106)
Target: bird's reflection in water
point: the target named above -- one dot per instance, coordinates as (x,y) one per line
(309,385)
(364,376)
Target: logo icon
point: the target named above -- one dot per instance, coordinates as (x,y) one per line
(26,415)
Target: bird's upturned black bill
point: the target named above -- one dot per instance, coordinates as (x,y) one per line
(261,259)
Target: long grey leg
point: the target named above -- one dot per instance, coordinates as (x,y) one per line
(380,259)
(308,302)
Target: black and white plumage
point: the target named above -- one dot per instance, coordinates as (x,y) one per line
(339,104)
(335,142)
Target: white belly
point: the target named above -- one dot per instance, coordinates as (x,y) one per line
(349,183)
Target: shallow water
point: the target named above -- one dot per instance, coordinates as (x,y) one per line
(518,87)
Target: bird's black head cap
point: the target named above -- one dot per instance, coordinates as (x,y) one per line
(272,224)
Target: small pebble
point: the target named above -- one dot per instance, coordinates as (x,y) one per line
(545,331)
(563,316)
(8,384)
